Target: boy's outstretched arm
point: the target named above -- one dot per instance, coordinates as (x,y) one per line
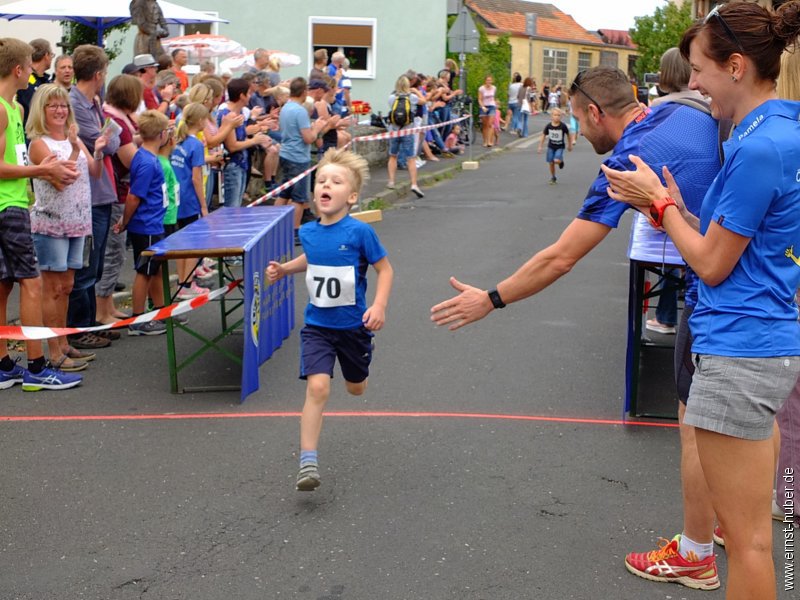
(375,316)
(276,270)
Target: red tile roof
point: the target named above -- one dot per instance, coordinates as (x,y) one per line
(509,16)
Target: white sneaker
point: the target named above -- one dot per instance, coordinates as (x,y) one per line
(654,325)
(420,163)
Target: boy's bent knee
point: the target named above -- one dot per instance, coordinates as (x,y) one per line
(356,389)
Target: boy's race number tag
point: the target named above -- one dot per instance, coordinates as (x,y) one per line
(331,286)
(22,155)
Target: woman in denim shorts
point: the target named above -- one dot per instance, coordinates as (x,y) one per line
(60,217)
(744,248)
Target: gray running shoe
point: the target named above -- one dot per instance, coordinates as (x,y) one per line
(148,328)
(308,478)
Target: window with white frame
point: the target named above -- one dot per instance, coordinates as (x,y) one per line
(584,61)
(554,66)
(609,59)
(354,37)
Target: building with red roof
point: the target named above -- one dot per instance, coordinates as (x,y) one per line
(548,44)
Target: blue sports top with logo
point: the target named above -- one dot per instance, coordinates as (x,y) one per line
(338,257)
(756,195)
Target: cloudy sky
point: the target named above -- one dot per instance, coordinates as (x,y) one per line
(610,14)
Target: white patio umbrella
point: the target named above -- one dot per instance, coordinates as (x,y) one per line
(241,62)
(203,45)
(96,14)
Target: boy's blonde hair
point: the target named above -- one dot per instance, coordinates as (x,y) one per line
(36,126)
(356,165)
(194,115)
(13,52)
(151,124)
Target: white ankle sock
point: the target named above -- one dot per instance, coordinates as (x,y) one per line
(701,551)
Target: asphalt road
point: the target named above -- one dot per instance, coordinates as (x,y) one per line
(119,490)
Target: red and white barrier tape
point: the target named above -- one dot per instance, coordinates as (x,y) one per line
(18,332)
(364,138)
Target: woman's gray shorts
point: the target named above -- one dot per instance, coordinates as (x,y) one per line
(739,396)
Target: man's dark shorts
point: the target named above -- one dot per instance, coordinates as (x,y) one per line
(17,254)
(299,191)
(320,347)
(141,242)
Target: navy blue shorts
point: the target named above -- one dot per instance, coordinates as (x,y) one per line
(141,242)
(320,347)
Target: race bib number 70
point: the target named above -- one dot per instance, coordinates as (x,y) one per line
(329,287)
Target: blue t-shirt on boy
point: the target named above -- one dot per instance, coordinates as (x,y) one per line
(148,184)
(186,156)
(338,256)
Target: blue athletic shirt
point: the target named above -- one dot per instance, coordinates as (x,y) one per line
(293,118)
(185,157)
(681,137)
(148,184)
(338,257)
(757,195)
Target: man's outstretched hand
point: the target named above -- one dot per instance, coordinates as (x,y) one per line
(471,304)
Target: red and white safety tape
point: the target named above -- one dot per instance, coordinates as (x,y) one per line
(364,138)
(19,332)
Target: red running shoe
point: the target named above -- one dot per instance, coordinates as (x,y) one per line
(666,564)
(719,537)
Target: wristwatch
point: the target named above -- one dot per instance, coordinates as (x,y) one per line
(657,209)
(497,301)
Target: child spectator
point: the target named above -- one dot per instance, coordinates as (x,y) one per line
(452,143)
(338,323)
(144,218)
(187,160)
(237,143)
(172,187)
(557,135)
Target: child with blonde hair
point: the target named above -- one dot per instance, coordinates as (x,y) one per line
(188,159)
(338,324)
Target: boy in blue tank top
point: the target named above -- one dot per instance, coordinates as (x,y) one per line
(338,249)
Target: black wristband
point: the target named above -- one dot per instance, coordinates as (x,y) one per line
(497,301)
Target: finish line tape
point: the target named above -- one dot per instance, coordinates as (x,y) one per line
(18,332)
(363,138)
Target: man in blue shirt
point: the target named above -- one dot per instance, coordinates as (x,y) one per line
(612,120)
(297,135)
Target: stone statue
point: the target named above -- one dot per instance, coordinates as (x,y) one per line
(147,16)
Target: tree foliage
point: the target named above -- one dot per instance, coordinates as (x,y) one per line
(492,58)
(655,34)
(76,34)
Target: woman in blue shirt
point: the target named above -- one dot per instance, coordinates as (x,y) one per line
(746,335)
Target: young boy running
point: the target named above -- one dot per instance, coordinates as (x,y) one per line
(557,135)
(144,218)
(338,323)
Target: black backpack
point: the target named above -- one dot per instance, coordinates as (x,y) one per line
(400,115)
